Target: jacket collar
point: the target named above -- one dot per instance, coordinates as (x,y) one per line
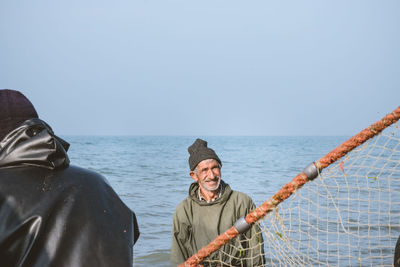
(33,143)
(220,191)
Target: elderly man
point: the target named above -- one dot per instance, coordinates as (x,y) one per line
(52,213)
(211,208)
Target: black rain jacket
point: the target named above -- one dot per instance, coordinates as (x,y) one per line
(54,214)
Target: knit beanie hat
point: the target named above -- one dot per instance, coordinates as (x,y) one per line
(15,108)
(199,151)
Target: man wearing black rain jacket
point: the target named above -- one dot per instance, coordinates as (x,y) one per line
(52,213)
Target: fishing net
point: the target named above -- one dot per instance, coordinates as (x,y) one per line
(348,216)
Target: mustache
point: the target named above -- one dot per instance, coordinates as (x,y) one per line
(213,179)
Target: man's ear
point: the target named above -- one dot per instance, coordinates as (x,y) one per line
(194,176)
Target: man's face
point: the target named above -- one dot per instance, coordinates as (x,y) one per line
(207,174)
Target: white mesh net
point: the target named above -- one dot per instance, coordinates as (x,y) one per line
(348,216)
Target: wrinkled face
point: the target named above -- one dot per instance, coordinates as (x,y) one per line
(207,174)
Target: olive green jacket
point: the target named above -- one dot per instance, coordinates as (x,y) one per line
(196,223)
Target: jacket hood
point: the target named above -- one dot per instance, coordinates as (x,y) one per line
(33,143)
(194,193)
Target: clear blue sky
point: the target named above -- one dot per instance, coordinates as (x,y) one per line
(203,67)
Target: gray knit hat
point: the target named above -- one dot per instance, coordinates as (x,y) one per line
(15,108)
(199,151)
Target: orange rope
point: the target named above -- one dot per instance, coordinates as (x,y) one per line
(287,190)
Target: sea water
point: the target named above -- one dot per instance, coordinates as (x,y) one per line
(151,174)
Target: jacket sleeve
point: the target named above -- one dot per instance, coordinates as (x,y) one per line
(180,235)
